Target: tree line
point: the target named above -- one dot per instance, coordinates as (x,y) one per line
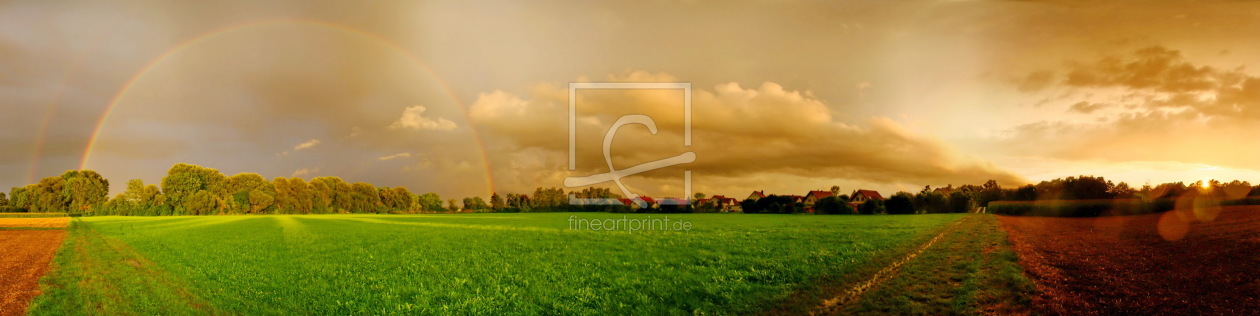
(195,190)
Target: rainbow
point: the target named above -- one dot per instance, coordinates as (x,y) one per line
(325,25)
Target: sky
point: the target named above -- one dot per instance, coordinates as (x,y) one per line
(465,98)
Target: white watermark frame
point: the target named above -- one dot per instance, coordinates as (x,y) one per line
(615,175)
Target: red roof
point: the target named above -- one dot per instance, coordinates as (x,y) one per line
(648,199)
(723,199)
(759,194)
(870,194)
(818,194)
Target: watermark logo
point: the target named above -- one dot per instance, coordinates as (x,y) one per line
(613,175)
(625,223)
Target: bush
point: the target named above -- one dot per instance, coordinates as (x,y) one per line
(833,205)
(871,207)
(900,203)
(13,209)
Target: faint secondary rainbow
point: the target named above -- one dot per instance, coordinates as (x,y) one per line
(153,63)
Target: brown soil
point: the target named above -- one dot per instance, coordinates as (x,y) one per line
(1157,264)
(55,222)
(26,257)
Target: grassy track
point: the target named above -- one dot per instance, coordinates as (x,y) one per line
(474,264)
(971,270)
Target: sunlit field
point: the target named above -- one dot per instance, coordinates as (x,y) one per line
(469,263)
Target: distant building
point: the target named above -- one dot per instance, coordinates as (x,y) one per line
(813,196)
(861,196)
(756,195)
(724,203)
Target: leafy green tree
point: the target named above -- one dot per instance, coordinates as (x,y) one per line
(47,195)
(184,180)
(203,203)
(259,201)
(4,200)
(548,199)
(475,204)
(19,199)
(450,206)
(83,188)
(900,203)
(365,198)
(396,199)
(430,202)
(324,194)
(496,202)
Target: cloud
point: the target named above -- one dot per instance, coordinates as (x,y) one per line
(306,144)
(1086,107)
(764,130)
(303,172)
(390,157)
(1150,104)
(413,119)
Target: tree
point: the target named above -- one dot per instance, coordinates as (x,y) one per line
(324,194)
(475,204)
(47,195)
(4,200)
(832,205)
(777,204)
(396,199)
(259,201)
(19,199)
(749,206)
(430,202)
(990,192)
(900,203)
(450,206)
(202,203)
(496,202)
(365,198)
(184,180)
(835,190)
(548,199)
(959,202)
(83,189)
(931,202)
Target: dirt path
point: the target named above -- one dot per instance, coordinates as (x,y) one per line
(1123,265)
(836,304)
(26,257)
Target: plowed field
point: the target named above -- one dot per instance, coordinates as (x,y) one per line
(1156,264)
(26,257)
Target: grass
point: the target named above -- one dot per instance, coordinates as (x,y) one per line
(470,263)
(971,270)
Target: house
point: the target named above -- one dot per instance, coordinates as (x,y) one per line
(645,202)
(724,203)
(756,195)
(865,195)
(813,197)
(797,198)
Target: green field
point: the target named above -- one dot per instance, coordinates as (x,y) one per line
(467,263)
